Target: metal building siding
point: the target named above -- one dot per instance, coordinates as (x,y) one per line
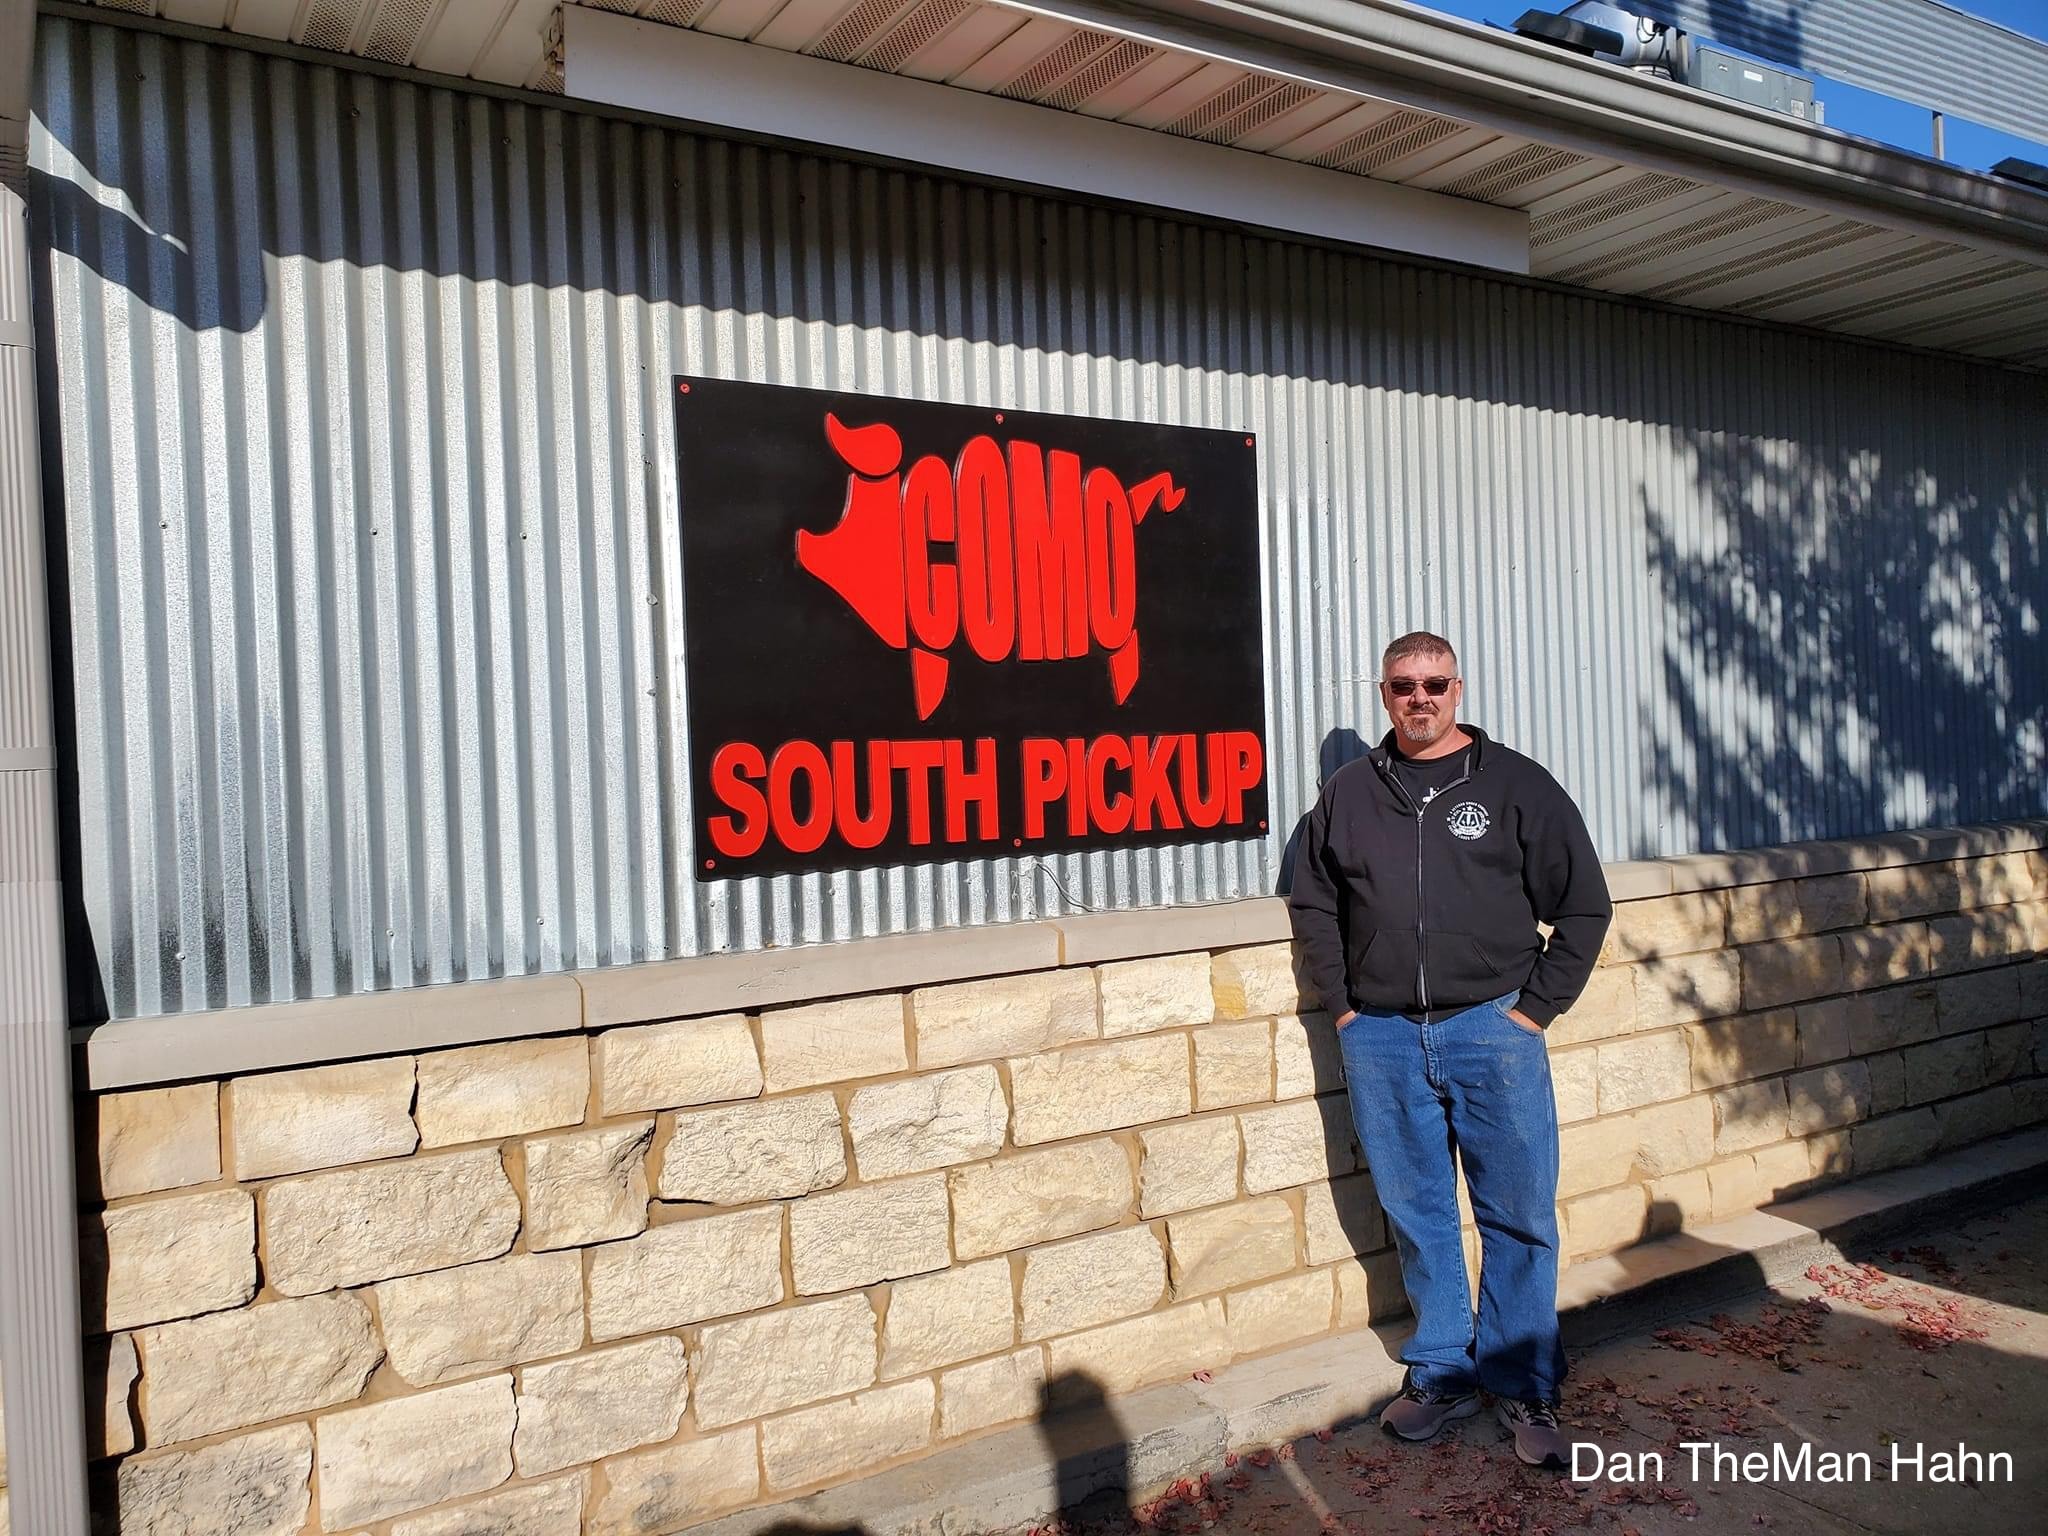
(356,394)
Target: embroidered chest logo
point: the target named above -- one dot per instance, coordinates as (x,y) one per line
(1468,820)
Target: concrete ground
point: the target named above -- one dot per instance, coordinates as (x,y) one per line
(1938,1342)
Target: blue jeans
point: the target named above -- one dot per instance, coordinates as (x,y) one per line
(1474,1086)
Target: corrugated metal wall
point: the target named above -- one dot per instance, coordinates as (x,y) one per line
(356,393)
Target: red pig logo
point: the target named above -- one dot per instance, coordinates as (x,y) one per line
(1044,556)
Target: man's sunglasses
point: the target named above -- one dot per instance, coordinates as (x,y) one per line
(1435,687)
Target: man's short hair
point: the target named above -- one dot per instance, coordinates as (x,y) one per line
(1417,643)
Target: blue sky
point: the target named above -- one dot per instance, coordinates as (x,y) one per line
(1849,108)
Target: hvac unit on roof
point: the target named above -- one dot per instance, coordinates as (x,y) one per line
(1651,47)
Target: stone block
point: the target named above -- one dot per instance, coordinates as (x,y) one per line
(152,1139)
(166,1259)
(875,1232)
(652,1493)
(1575,1082)
(1874,957)
(1887,1081)
(356,1225)
(1644,1069)
(1003,1016)
(855,1434)
(1600,1223)
(1896,1016)
(1342,1218)
(1978,1000)
(1667,925)
(453,1323)
(483,1092)
(1912,890)
(1282,1311)
(1748,1046)
(1826,1097)
(1369,1290)
(685,1272)
(1828,1156)
(1305,1142)
(1307,1058)
(539,1509)
(1966,940)
(1091,1280)
(1233,1064)
(1165,992)
(1790,970)
(1941,1068)
(1826,1029)
(1230,1246)
(255,1485)
(1784,1170)
(766,1149)
(111,1366)
(1595,1153)
(834,1042)
(405,1453)
(234,1369)
(598,1404)
(992,1392)
(1261,981)
(586,1187)
(1121,1357)
(928,1122)
(1034,1197)
(2008,1051)
(1681,989)
(939,1320)
(2033,985)
(1895,1141)
(1605,1009)
(1974,1116)
(1736,1186)
(1995,879)
(1186,1165)
(1675,1136)
(759,1365)
(1088,1088)
(671,1065)
(320,1117)
(1678,1200)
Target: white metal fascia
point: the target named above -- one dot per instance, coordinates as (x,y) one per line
(625,62)
(1403,53)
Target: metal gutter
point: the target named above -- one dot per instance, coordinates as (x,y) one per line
(40,1341)
(1403,54)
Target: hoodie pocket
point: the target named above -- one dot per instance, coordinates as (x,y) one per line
(1382,967)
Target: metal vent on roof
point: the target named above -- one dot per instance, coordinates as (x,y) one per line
(1275,103)
(330,24)
(1848,277)
(915,32)
(1056,64)
(1084,85)
(1784,253)
(678,13)
(1234,98)
(138,7)
(1747,214)
(1632,196)
(856,29)
(1390,139)
(621,7)
(1517,170)
(396,29)
(2001,272)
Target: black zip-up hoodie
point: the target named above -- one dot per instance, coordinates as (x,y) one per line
(1430,909)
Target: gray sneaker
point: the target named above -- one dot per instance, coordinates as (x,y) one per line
(1419,1413)
(1538,1440)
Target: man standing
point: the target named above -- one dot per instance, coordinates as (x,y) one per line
(1424,871)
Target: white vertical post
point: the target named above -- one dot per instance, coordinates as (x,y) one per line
(40,1355)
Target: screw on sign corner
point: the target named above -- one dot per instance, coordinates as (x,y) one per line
(681,387)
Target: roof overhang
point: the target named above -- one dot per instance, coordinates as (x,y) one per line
(1620,182)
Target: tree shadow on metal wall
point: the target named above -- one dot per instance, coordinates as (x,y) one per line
(1850,644)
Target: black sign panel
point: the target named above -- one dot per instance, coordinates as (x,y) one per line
(918,632)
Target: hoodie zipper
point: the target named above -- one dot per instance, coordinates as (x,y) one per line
(1421,930)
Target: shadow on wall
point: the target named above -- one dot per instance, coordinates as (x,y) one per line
(1851,639)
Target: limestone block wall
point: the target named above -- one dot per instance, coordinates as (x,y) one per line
(610,1282)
